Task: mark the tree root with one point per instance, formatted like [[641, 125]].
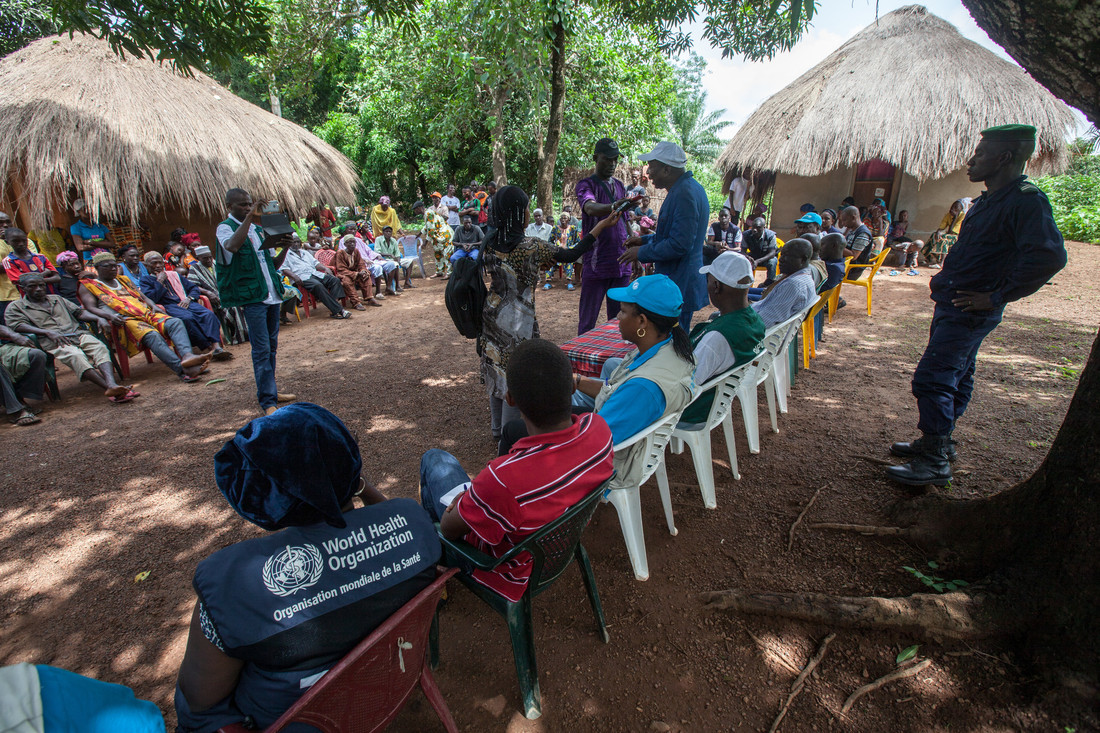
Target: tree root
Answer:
[[790, 534], [950, 615], [874, 459], [865, 529], [897, 674], [796, 686]]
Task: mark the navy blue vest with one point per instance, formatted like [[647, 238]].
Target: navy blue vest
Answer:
[[292, 603]]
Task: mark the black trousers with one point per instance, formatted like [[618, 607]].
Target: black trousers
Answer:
[[327, 290]]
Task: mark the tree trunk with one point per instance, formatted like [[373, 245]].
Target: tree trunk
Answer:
[[500, 172], [273, 95], [1033, 546], [1057, 41], [545, 186]]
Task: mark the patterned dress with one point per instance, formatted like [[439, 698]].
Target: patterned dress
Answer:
[[509, 315], [438, 233]]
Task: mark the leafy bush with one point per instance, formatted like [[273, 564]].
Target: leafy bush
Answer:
[[1075, 200]]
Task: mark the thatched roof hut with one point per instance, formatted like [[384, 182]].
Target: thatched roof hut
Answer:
[[140, 142], [904, 100]]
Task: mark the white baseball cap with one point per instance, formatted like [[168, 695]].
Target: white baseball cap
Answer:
[[667, 153], [731, 268]]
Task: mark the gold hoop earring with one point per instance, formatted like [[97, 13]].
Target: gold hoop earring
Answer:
[[641, 333]]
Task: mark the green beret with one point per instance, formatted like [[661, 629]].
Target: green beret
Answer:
[[1010, 133]]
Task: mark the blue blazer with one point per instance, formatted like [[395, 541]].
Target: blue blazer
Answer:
[[676, 248]]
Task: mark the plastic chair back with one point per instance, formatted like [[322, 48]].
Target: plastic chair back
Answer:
[[553, 546], [725, 392], [368, 687], [656, 437], [409, 246]]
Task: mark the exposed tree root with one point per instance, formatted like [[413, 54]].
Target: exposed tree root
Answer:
[[897, 674], [796, 686], [865, 529], [790, 534], [950, 615], [874, 459]]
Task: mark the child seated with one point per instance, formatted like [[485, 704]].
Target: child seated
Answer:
[[564, 458]]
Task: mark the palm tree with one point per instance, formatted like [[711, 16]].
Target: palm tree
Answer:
[[693, 129]]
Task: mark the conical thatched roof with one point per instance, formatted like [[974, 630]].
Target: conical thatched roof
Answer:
[[908, 89], [132, 135]]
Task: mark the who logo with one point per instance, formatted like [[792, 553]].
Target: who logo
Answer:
[[292, 569]]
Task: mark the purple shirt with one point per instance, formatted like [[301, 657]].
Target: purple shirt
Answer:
[[603, 259]]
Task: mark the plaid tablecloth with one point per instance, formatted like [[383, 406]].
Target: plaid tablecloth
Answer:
[[590, 350]]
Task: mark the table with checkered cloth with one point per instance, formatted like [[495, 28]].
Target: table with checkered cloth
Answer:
[[591, 349]]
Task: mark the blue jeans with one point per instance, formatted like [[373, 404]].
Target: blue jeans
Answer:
[[460, 253], [580, 399], [439, 473], [263, 333], [944, 377]]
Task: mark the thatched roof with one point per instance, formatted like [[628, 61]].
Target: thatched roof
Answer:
[[908, 89], [132, 136]]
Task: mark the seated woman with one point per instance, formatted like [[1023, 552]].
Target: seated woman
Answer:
[[946, 234], [180, 299], [652, 383], [274, 613], [71, 270]]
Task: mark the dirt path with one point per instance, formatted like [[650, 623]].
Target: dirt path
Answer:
[[98, 493]]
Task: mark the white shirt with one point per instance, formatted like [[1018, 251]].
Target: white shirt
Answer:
[[301, 264], [452, 203], [542, 232], [713, 356], [740, 188], [223, 233]]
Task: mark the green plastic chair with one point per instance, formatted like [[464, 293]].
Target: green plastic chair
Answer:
[[553, 548], [51, 372]]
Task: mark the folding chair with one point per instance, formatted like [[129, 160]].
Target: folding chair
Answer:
[[866, 282], [366, 690], [628, 502], [411, 247], [697, 437], [552, 550]]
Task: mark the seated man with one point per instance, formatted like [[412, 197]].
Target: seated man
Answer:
[[467, 239], [383, 271], [760, 244], [818, 267], [794, 290], [857, 241], [390, 248], [179, 297], [203, 274], [22, 260], [723, 236], [141, 324], [565, 458], [353, 273], [304, 270], [71, 269], [22, 376], [832, 254], [731, 339], [274, 613], [56, 323]]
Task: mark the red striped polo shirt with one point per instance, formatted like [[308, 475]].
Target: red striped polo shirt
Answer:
[[525, 490]]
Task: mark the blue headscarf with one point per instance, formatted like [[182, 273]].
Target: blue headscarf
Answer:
[[297, 466]]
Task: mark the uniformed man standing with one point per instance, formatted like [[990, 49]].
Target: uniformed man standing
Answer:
[[1008, 248]]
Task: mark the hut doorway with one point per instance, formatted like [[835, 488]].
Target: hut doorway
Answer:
[[874, 180]]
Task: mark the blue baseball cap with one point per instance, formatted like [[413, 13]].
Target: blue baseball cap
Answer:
[[656, 293], [809, 218]]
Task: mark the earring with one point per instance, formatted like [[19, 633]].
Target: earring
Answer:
[[362, 486], [641, 333]]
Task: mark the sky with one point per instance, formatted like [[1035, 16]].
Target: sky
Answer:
[[740, 86]]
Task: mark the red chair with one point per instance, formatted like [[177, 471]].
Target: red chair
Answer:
[[307, 299], [121, 354], [370, 686]]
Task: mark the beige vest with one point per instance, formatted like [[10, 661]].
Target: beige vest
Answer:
[[675, 378]]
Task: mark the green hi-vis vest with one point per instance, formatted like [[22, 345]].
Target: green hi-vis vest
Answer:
[[240, 281]]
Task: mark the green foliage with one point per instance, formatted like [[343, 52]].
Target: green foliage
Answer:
[[907, 653], [23, 21], [935, 582], [712, 183], [694, 130], [1075, 201]]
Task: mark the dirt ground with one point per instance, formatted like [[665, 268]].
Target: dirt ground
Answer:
[[98, 493]]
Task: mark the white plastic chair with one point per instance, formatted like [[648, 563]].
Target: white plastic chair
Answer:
[[761, 373], [410, 247], [781, 371], [697, 437], [628, 502]]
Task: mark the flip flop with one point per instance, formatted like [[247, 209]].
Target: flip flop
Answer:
[[116, 392], [188, 379], [894, 272], [25, 418], [912, 272], [128, 397]]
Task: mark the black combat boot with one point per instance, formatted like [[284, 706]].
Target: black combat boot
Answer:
[[914, 449], [929, 467]]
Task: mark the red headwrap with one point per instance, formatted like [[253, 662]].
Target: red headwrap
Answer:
[[190, 239]]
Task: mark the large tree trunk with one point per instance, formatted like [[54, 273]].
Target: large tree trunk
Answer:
[[1057, 41], [545, 187], [500, 169], [1032, 547]]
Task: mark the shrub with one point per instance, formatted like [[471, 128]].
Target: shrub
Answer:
[[1075, 200]]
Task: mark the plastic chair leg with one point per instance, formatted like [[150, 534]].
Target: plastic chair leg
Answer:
[[806, 341], [869, 298], [780, 379], [433, 641], [769, 389], [521, 632], [435, 699], [747, 397], [731, 445], [676, 445], [628, 505], [589, 578], [666, 497], [699, 442]]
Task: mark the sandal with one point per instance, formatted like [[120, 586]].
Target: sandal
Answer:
[[188, 379], [116, 391], [25, 418], [128, 397]]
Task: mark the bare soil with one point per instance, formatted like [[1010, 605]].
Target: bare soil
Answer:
[[98, 493]]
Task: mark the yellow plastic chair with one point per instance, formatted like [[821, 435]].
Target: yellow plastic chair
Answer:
[[834, 298], [778, 247], [809, 339], [864, 282]]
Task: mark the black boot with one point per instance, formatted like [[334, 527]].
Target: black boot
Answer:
[[913, 449], [929, 467]]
